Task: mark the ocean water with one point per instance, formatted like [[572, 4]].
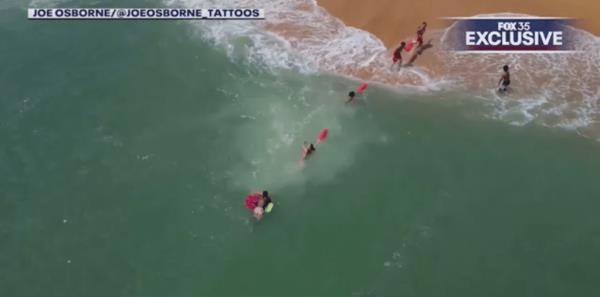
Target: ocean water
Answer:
[[127, 149]]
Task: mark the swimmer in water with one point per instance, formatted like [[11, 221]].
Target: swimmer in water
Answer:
[[504, 80], [261, 204], [351, 96], [259, 211], [267, 200], [397, 58], [308, 150]]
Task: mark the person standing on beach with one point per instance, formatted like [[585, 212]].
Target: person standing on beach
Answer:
[[420, 46], [420, 31], [397, 58], [504, 80], [418, 41]]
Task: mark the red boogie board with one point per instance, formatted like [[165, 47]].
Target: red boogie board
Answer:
[[362, 88]]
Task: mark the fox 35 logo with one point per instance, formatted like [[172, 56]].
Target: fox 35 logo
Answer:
[[512, 35]]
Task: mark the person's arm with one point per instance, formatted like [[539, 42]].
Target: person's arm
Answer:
[[350, 98]]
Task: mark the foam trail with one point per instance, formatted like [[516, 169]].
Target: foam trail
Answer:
[[275, 116]]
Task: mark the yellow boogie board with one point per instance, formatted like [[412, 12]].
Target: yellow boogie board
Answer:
[[269, 207]]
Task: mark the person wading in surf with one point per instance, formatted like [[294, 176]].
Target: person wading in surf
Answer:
[[504, 80], [351, 96]]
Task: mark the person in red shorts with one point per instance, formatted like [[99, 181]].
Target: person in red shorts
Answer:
[[397, 57], [419, 40], [420, 31]]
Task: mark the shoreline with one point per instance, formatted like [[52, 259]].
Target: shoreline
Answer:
[[393, 21], [540, 89]]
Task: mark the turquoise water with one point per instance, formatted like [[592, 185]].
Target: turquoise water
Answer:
[[127, 149]]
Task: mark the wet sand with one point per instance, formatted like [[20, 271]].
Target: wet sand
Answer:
[[393, 20], [554, 98]]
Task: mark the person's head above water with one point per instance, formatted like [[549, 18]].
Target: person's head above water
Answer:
[[505, 68], [265, 194], [351, 94], [309, 147]]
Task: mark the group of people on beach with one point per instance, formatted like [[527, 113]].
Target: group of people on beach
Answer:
[[416, 44]]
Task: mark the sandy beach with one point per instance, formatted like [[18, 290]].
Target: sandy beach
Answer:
[[567, 99], [393, 20]]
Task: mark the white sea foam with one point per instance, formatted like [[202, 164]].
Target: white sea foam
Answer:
[[302, 36], [557, 90], [560, 90]]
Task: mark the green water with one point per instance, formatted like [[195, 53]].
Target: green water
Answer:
[[127, 148]]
